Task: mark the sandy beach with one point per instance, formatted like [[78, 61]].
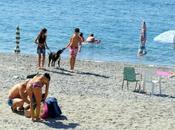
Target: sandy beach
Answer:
[[90, 99]]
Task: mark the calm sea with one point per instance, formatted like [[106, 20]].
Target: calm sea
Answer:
[[115, 22]]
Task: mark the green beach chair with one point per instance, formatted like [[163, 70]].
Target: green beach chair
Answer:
[[129, 75]]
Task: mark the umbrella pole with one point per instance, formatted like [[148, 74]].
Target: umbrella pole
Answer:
[[17, 49], [16, 64]]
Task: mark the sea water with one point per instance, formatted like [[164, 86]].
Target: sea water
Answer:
[[115, 22]]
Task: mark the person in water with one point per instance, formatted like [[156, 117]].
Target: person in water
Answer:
[[74, 45], [142, 49], [92, 39], [82, 39], [17, 96], [41, 42], [34, 90]]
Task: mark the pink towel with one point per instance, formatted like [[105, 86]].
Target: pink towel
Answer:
[[163, 73]]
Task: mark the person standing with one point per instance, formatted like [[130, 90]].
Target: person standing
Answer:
[[142, 49], [74, 45], [41, 42], [34, 90]]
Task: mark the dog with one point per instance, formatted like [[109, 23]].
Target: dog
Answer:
[[53, 57]]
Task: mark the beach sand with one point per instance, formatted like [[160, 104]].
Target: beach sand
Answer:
[[90, 99]]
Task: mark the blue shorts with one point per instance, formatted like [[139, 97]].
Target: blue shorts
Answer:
[[41, 50], [142, 50], [10, 102]]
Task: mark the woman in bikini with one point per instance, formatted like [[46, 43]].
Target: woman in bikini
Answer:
[[34, 90], [41, 42]]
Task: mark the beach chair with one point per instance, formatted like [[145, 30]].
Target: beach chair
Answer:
[[129, 75], [156, 79]]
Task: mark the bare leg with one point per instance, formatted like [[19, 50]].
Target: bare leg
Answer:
[[43, 60], [39, 60], [38, 96], [71, 63], [17, 103], [30, 93]]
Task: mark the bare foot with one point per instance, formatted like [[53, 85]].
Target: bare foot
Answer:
[[42, 68]]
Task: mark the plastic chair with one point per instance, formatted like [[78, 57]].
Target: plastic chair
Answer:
[[129, 75], [151, 77]]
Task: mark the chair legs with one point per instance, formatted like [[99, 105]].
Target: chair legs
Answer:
[[136, 86], [160, 88], [153, 86], [127, 85], [123, 84]]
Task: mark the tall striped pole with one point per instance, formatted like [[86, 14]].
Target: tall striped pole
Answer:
[[17, 49]]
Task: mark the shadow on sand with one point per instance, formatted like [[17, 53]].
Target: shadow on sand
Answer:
[[157, 95], [57, 72], [56, 123], [93, 74], [68, 73]]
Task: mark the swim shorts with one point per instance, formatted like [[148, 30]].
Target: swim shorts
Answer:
[[73, 51], [41, 50], [142, 50], [10, 102]]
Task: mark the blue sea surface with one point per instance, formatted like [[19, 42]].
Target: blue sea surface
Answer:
[[116, 22]]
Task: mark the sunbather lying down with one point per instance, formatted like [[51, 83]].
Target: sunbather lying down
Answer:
[[172, 75], [17, 96]]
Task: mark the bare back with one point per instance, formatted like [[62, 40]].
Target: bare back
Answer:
[[17, 89], [75, 40], [39, 79], [90, 39]]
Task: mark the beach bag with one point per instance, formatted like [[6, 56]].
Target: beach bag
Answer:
[[44, 113], [53, 108]]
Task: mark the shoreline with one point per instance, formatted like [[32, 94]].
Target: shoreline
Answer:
[[98, 61]]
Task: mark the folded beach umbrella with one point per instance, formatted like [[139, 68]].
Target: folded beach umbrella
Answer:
[[166, 37], [17, 49]]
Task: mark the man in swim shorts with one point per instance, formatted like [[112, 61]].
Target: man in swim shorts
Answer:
[[17, 96], [74, 46]]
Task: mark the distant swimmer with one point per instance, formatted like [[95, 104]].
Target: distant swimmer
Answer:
[[91, 39], [142, 50]]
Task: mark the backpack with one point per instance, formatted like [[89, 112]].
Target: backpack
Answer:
[[53, 108]]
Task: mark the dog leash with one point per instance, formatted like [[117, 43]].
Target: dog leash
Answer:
[[49, 49]]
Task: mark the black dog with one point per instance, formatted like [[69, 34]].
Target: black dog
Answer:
[[53, 57]]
